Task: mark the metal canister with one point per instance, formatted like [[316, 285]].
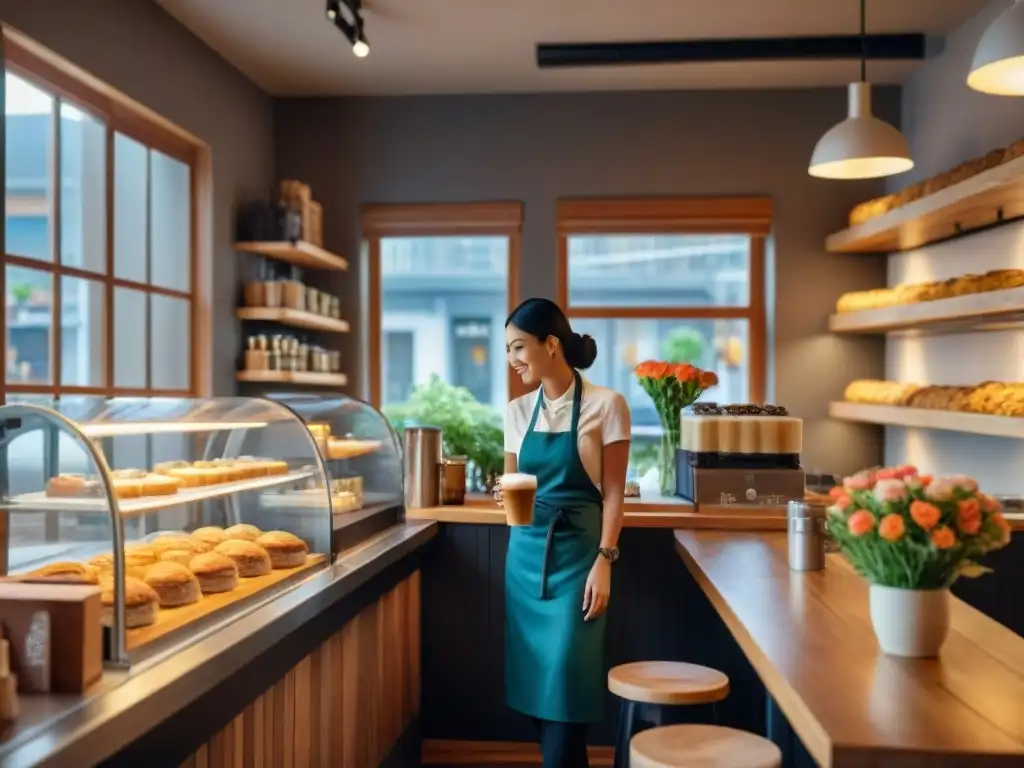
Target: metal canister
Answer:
[[807, 535], [422, 462], [453, 480]]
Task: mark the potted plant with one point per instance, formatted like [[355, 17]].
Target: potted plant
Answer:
[[672, 388], [912, 536]]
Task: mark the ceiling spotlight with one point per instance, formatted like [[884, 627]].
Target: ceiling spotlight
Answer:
[[337, 11]]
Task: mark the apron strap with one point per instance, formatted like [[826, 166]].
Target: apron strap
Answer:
[[558, 518]]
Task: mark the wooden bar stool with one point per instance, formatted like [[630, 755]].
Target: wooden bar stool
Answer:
[[650, 690], [702, 746]]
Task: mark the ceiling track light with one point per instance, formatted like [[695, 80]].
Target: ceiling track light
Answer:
[[998, 65], [353, 30], [861, 146]]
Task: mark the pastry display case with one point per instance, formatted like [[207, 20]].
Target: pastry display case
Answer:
[[363, 459], [159, 502]]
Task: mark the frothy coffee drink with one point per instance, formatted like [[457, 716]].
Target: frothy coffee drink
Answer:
[[518, 493]]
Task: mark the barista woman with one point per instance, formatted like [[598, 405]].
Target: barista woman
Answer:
[[574, 436]]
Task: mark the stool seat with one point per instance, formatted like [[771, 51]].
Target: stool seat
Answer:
[[667, 682], [702, 746]]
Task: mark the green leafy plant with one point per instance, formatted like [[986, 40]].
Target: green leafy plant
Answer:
[[468, 428], [901, 529], [21, 293], [683, 345]]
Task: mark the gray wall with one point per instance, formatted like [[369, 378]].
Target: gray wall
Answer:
[[141, 50], [538, 148]]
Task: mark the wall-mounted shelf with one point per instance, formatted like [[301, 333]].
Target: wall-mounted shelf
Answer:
[[989, 197], [301, 254], [294, 317], [925, 418], [989, 311], [293, 377]]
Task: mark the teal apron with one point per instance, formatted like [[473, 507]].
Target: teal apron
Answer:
[[554, 660]]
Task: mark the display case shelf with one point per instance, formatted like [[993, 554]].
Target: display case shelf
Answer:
[[300, 253], [926, 418], [40, 502], [990, 197], [294, 318], [294, 377], [991, 310]]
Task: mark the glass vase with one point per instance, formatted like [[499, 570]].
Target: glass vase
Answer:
[[667, 457]]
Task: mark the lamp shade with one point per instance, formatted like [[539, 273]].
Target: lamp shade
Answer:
[[862, 146], [998, 66]]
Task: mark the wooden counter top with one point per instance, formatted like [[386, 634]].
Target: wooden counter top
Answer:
[[809, 637], [653, 513]]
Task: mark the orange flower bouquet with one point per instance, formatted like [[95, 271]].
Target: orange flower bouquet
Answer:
[[672, 387], [912, 536]]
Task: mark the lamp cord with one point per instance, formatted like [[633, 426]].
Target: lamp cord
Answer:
[[863, 42]]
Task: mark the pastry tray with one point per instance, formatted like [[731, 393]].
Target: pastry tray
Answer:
[[171, 619], [310, 500], [40, 502]]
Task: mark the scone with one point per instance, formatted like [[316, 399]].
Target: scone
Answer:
[[174, 584], [243, 531], [251, 559], [65, 486], [179, 556], [140, 602], [160, 485], [125, 488], [190, 478], [179, 541], [211, 534], [286, 550], [276, 467], [73, 573], [165, 467], [216, 572]]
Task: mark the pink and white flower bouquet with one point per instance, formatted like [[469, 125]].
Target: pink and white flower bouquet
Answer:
[[899, 528]]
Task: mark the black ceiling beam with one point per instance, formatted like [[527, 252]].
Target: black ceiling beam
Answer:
[[910, 46]]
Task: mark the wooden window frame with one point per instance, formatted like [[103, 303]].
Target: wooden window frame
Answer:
[[751, 216], [426, 220], [118, 113]]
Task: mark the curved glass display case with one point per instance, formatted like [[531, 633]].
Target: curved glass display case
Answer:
[[161, 502], [363, 458]]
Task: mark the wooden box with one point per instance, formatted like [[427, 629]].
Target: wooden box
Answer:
[[770, 486], [312, 223], [55, 633]]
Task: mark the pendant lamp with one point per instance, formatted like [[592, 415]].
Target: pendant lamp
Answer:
[[862, 146], [998, 66]]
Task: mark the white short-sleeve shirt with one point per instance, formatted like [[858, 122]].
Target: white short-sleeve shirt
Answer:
[[604, 419]]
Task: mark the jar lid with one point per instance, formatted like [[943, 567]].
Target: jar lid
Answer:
[[455, 459]]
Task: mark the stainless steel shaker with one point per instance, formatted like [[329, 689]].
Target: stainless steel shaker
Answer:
[[807, 535], [422, 449]]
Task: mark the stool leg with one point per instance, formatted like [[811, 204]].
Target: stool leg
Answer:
[[627, 714]]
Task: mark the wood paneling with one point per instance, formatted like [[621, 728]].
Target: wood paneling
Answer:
[[443, 752], [342, 706], [703, 215]]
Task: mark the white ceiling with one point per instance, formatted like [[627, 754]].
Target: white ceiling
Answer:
[[486, 46]]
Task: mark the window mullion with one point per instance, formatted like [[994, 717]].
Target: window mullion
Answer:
[[56, 250], [110, 315], [147, 331]]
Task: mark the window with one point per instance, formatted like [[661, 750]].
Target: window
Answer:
[[99, 238], [442, 284], [679, 280]]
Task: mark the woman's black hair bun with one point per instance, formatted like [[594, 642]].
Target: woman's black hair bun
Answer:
[[581, 351]]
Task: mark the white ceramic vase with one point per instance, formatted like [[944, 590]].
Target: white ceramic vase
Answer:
[[910, 622]]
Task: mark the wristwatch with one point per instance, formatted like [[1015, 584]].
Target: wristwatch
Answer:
[[611, 554]]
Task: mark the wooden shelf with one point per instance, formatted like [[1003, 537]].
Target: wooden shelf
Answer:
[[171, 619], [925, 418], [300, 253], [293, 377], [295, 318], [990, 197], [991, 311]]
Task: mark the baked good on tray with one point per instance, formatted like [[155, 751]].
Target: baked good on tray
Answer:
[[73, 573], [286, 550], [74, 486], [243, 531], [211, 534], [179, 556], [994, 398], [215, 572], [160, 485], [250, 558], [179, 541], [140, 602], [174, 584]]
